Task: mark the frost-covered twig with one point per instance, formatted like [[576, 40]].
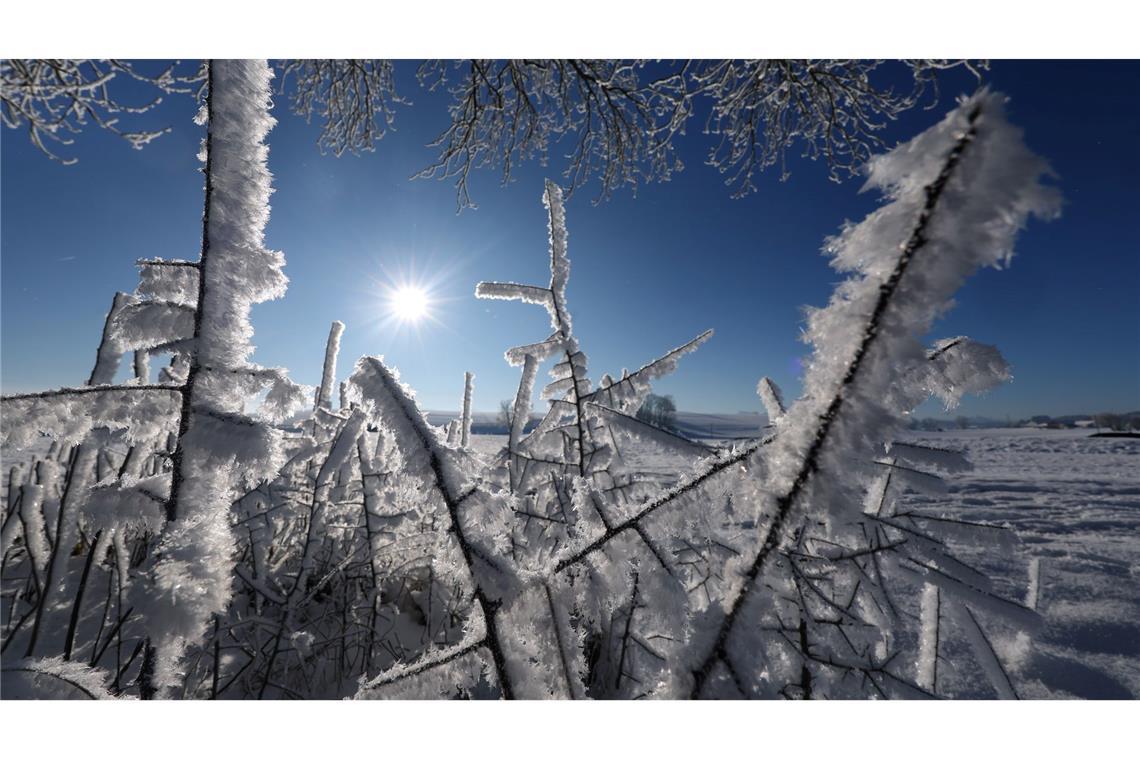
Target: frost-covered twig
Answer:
[[772, 398], [622, 117], [348, 95], [55, 98], [687, 486]]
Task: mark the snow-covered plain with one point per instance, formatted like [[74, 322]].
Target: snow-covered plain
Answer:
[[1074, 501]]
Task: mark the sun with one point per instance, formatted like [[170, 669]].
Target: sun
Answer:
[[409, 303]]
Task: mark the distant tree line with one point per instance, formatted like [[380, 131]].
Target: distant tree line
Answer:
[[1117, 422], [1103, 421]]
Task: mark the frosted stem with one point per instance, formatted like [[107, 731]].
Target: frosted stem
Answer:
[[931, 635], [328, 376], [465, 424], [108, 356]]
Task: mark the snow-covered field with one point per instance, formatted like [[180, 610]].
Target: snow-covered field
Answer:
[[1075, 503]]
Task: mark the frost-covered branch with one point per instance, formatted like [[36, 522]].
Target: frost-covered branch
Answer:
[[504, 112], [69, 414], [382, 391], [53, 678], [55, 98], [622, 117], [109, 354], [628, 394], [687, 486], [834, 108], [971, 173], [647, 432], [347, 95]]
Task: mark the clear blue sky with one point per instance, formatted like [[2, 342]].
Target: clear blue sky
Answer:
[[648, 272]]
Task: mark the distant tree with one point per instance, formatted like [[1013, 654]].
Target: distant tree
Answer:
[[668, 418], [963, 422], [506, 413], [506, 416], [660, 411], [1111, 421]]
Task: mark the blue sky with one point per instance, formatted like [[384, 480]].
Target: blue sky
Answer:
[[648, 272]]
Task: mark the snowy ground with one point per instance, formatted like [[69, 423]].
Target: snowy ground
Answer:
[[1075, 503]]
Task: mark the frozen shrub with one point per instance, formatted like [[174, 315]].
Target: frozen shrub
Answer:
[[368, 553]]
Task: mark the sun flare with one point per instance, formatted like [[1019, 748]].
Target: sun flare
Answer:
[[409, 303]]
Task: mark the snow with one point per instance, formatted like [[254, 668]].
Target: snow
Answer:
[[1074, 501]]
